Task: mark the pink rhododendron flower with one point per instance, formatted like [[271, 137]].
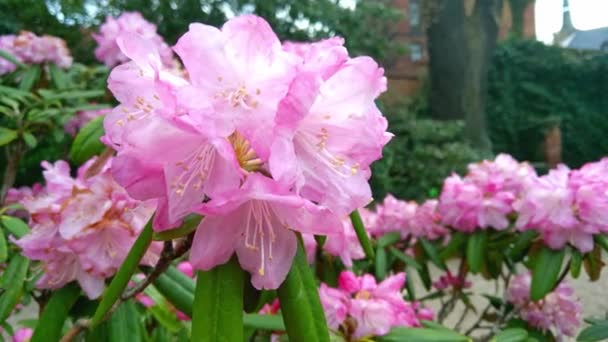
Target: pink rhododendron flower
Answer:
[[448, 280], [29, 48], [186, 268], [345, 244], [364, 308], [15, 196], [81, 228], [256, 222], [310, 246], [426, 222], [82, 118], [108, 51], [23, 335], [560, 311], [394, 215]]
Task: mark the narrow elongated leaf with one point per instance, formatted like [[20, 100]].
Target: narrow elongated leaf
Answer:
[[521, 244], [476, 248], [3, 247], [30, 139], [264, 322], [546, 267], [189, 225], [180, 297], [161, 310], [408, 260], [29, 77], [601, 240], [357, 222], [9, 57], [432, 253], [58, 76], [123, 275], [12, 283], [218, 304], [422, 335], [87, 144], [454, 247], [80, 94], [389, 239], [593, 263], [7, 135], [511, 335], [181, 279], [434, 325], [576, 261], [14, 226], [124, 324], [380, 263], [595, 332], [300, 305], [55, 313]]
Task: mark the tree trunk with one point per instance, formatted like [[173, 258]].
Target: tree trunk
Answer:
[[462, 38]]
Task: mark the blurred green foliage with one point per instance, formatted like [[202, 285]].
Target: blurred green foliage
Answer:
[[73, 20], [533, 86]]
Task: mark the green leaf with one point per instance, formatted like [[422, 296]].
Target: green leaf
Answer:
[[357, 222], [82, 94], [123, 275], [58, 76], [55, 313], [596, 332], [29, 77], [521, 244], [3, 247], [408, 260], [434, 325], [179, 296], [455, 245], [218, 304], [422, 335], [511, 335], [9, 57], [380, 266], [601, 240], [189, 225], [15, 226], [7, 135], [12, 282], [431, 252], [264, 322], [593, 263], [547, 264], [181, 279], [410, 286], [300, 305], [87, 144], [124, 325], [30, 139], [476, 248], [389, 239], [161, 311], [576, 260]]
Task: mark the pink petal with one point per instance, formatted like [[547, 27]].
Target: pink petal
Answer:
[[215, 241]]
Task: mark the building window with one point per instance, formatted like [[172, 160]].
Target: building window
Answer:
[[415, 52], [414, 14]]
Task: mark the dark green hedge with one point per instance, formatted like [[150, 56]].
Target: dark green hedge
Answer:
[[532, 86]]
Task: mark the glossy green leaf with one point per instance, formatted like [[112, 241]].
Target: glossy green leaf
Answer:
[[410, 285], [30, 139], [161, 311], [218, 304], [58, 76], [15, 226], [432, 254], [511, 335], [596, 332], [179, 296], [55, 313], [547, 264], [87, 144], [602, 241], [380, 265], [434, 325], [29, 77], [9, 57], [79, 94], [521, 244], [366, 244], [189, 225], [181, 279], [123, 275], [12, 283], [389, 239], [124, 324], [455, 246], [476, 248], [3, 247], [422, 335], [300, 305], [576, 261], [320, 239], [593, 264], [408, 260], [264, 322], [7, 135]]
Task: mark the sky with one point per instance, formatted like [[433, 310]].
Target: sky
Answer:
[[585, 14]]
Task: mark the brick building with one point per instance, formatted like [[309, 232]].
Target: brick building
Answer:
[[407, 72]]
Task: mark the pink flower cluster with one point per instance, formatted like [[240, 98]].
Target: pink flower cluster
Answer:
[[23, 335], [108, 51], [560, 311], [484, 197], [567, 206], [410, 219], [263, 139], [81, 228], [362, 307], [29, 48], [82, 118]]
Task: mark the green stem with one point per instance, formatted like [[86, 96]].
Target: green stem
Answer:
[[355, 218]]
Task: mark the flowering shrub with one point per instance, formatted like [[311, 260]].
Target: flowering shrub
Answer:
[[228, 199], [28, 48]]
